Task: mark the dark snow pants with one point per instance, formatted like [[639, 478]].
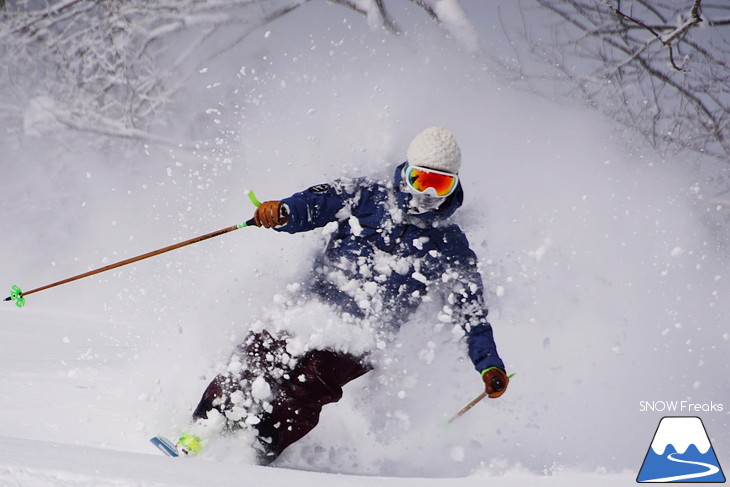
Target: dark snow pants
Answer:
[[299, 389]]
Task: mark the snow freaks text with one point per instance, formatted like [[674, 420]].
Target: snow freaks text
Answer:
[[680, 407]]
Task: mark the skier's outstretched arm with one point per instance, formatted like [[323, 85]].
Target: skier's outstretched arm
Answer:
[[303, 211]]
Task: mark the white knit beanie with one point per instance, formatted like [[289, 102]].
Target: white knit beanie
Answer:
[[435, 148]]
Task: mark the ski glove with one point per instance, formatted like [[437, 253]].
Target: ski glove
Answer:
[[495, 382], [270, 214]]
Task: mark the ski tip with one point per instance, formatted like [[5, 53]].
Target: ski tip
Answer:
[[165, 446]]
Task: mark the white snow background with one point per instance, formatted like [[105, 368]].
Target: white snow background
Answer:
[[606, 285]]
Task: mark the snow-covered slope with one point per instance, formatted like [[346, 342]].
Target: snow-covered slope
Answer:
[[40, 464]]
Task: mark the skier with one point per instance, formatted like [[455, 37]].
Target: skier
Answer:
[[391, 244]]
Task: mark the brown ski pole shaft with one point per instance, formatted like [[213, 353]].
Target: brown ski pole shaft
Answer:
[[17, 295], [497, 385], [468, 407]]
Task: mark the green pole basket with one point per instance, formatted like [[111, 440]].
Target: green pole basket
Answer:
[[16, 294]]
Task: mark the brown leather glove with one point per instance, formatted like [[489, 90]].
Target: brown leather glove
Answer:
[[270, 214], [495, 382]]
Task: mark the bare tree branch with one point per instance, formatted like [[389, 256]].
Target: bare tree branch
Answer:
[[693, 20], [645, 63]]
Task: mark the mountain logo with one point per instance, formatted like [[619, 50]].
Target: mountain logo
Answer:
[[681, 452]]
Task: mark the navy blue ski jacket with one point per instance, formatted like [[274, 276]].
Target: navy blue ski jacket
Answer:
[[380, 261]]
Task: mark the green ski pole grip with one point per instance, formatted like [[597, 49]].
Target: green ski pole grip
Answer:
[[256, 203], [253, 198]]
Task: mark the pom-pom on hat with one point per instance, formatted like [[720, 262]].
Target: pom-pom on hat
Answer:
[[435, 148]]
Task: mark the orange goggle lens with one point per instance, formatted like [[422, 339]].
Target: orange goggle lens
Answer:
[[422, 179]]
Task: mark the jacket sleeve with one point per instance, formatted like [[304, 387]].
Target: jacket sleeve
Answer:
[[466, 302], [314, 207]]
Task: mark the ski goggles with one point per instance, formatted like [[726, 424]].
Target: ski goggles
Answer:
[[421, 179]]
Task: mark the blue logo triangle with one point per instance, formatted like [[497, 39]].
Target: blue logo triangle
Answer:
[[681, 452]]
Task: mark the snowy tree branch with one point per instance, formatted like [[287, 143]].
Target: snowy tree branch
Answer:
[[672, 87], [692, 20], [126, 62]]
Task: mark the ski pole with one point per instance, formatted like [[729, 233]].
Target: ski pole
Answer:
[[497, 385], [467, 407], [18, 295]]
